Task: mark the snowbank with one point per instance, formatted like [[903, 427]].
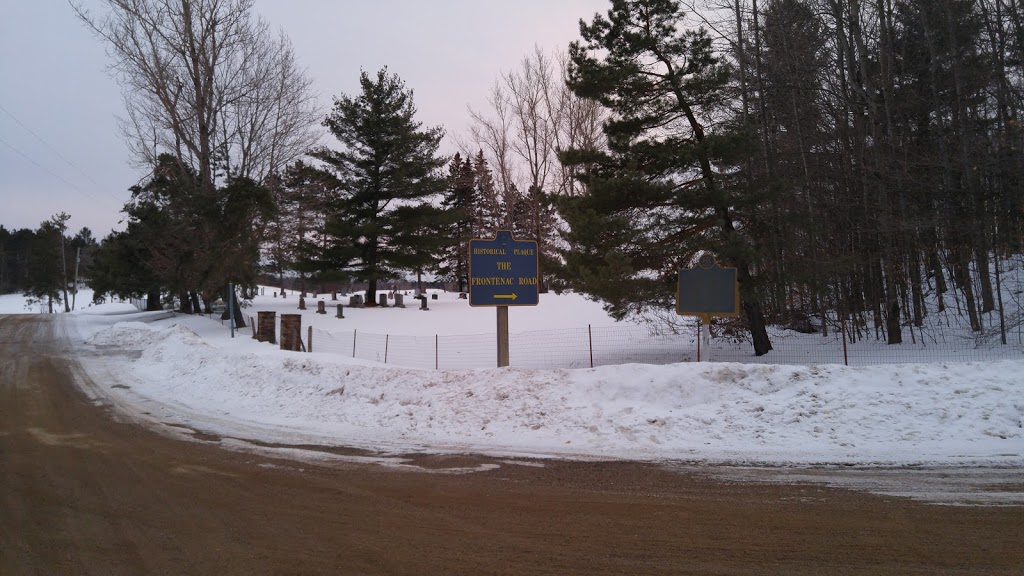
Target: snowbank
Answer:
[[947, 413]]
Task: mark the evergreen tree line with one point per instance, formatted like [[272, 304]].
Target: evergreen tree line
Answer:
[[183, 241], [846, 156], [889, 141], [374, 208], [315, 236], [41, 263], [378, 206]]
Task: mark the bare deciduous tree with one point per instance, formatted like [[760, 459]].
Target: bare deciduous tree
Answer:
[[580, 126], [206, 81], [493, 133], [532, 117]]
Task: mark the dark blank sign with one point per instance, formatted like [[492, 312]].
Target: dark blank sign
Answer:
[[707, 291]]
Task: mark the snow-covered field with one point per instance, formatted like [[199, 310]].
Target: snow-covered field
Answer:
[[190, 372]]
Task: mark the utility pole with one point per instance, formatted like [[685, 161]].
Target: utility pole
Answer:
[[3, 268], [74, 291], [64, 268], [59, 223]]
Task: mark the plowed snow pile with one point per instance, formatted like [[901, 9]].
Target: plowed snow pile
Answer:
[[889, 414]]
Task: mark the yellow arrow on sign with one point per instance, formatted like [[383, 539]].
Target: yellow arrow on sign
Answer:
[[506, 296]]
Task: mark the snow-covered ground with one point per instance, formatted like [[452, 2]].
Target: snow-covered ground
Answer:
[[570, 331], [188, 371]]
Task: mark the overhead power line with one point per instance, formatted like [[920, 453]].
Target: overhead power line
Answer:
[[54, 174], [57, 152]]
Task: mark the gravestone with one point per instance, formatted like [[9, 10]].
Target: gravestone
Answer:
[[334, 296], [399, 301], [302, 303], [355, 301], [382, 301], [321, 307], [341, 314], [291, 332], [265, 327], [423, 303]]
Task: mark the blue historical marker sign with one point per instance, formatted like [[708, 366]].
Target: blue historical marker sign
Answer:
[[707, 290], [503, 271]]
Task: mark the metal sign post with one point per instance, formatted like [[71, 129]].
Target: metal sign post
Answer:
[[503, 273], [231, 307], [502, 336], [707, 290], [705, 335]]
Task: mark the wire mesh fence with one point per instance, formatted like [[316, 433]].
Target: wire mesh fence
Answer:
[[626, 344]]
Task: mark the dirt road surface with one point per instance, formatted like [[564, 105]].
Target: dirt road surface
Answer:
[[84, 493]]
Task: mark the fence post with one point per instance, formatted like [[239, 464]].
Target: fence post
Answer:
[[698, 339], [386, 338], [436, 363], [310, 339], [846, 358], [590, 338], [706, 320], [353, 342]]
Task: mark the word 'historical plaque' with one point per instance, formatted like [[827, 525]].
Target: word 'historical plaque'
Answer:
[[503, 271]]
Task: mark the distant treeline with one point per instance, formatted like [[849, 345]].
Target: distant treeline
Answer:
[[41, 263]]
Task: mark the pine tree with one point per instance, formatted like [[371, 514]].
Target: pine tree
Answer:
[[120, 266], [305, 198], [459, 200], [5, 254], [487, 209], [663, 190], [388, 176], [44, 270], [790, 70], [60, 223], [535, 218], [169, 213], [14, 251], [193, 244]]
